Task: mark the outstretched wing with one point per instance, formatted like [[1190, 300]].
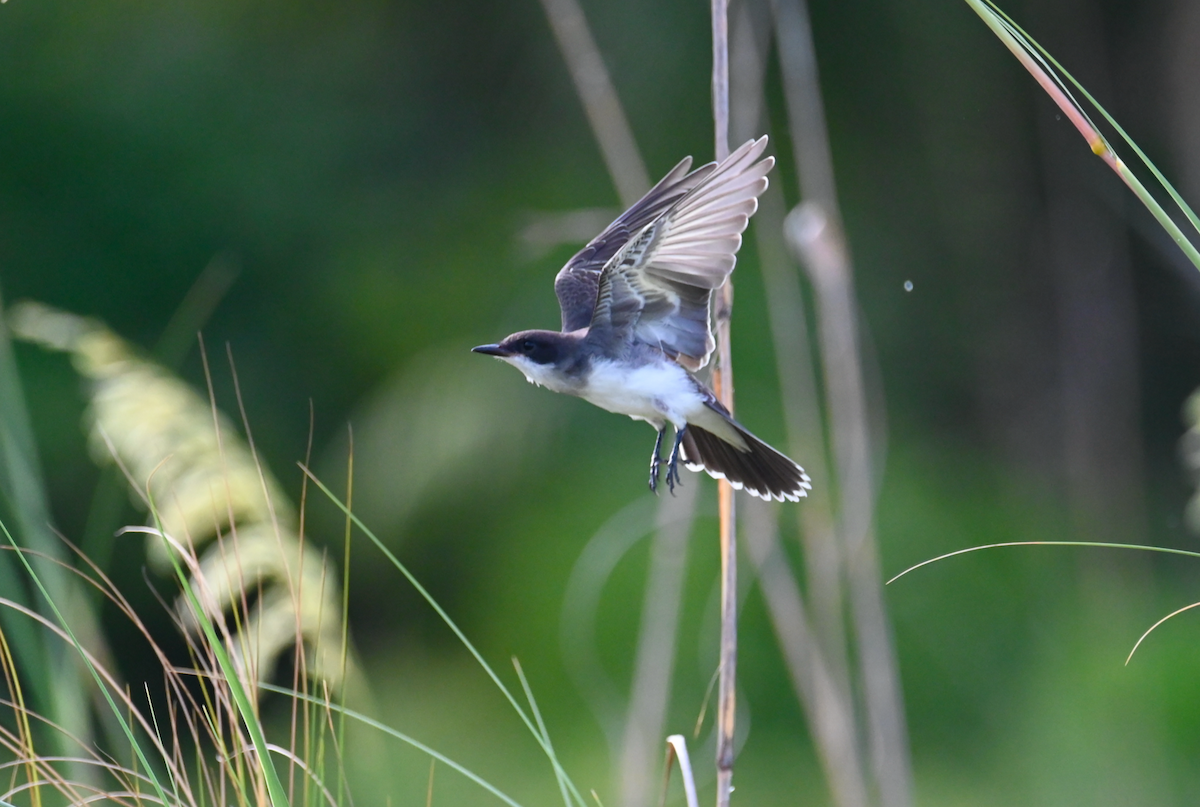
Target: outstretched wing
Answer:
[[577, 282], [656, 288]]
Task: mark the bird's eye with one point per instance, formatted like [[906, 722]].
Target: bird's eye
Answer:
[[528, 346]]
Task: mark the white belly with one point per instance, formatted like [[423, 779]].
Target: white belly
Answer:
[[656, 393]]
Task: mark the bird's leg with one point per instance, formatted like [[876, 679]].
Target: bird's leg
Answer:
[[656, 461], [673, 465]]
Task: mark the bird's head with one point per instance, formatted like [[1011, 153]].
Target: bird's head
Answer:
[[540, 355]]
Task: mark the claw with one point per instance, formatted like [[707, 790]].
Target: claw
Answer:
[[656, 463], [673, 464]]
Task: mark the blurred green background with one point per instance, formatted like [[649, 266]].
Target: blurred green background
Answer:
[[368, 170]]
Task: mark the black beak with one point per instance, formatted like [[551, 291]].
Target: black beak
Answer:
[[491, 350]]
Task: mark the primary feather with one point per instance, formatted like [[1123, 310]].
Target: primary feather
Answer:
[[577, 282], [655, 289]]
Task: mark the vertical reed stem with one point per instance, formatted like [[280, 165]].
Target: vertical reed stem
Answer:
[[723, 386]]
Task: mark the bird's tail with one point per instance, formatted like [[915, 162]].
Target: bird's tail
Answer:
[[758, 469]]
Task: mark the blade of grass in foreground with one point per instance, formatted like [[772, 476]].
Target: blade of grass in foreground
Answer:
[[450, 623], [1183, 205], [1151, 629], [1101, 545], [391, 732], [1037, 60], [237, 691], [677, 748], [55, 686], [37, 581], [541, 724]]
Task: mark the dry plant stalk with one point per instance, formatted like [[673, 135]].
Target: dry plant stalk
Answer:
[[824, 566], [723, 387], [654, 662], [813, 648], [820, 687], [814, 231], [677, 749], [600, 101], [817, 658]]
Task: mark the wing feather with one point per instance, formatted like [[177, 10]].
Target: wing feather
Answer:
[[656, 288], [577, 283]]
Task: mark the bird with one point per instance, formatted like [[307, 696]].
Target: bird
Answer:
[[636, 323]]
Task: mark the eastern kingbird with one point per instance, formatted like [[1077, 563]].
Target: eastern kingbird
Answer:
[[635, 323]]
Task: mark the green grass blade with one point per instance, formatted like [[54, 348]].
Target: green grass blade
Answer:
[[391, 732], [1099, 544], [20, 484], [1170, 189], [57, 686], [1028, 51], [37, 581], [450, 623], [1152, 628], [541, 724], [241, 698]]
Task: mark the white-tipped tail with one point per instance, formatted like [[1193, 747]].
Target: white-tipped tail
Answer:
[[759, 470]]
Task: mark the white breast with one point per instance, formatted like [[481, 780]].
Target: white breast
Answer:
[[657, 393]]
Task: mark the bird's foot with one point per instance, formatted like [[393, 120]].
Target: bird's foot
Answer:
[[656, 463], [673, 464], [673, 476]]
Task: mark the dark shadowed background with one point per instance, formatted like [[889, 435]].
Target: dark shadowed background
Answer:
[[368, 174]]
